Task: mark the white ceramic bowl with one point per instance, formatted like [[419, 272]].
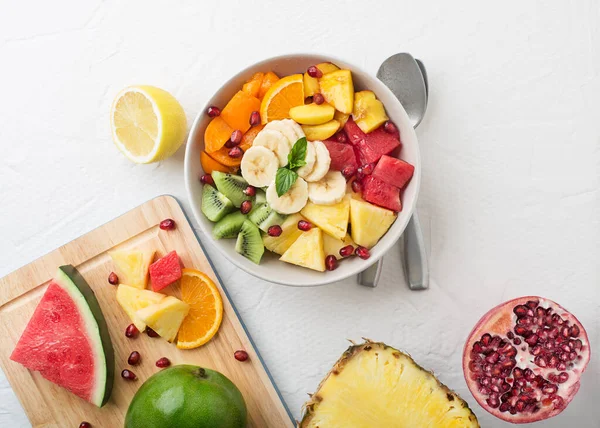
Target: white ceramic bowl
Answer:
[[270, 268]]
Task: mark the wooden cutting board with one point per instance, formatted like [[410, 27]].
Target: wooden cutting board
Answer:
[[48, 405]]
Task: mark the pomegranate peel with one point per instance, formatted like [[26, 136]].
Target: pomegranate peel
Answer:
[[523, 360]]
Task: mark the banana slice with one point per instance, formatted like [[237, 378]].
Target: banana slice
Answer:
[[311, 158], [274, 141], [329, 190], [259, 166], [291, 201], [322, 163], [296, 127], [285, 128]]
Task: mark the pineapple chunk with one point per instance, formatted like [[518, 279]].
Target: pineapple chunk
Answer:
[[327, 67], [338, 90], [311, 84], [165, 317], [132, 266], [374, 385], [312, 114], [289, 234], [341, 117], [369, 222], [333, 246], [307, 251], [133, 299], [321, 132], [368, 112], [332, 219]]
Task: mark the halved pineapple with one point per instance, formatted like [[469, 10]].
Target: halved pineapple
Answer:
[[368, 112], [369, 222], [165, 317], [374, 385], [332, 246], [289, 234], [133, 299], [307, 251], [338, 90], [332, 219], [132, 266]]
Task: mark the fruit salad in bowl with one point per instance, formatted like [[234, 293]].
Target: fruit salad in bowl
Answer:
[[302, 169]]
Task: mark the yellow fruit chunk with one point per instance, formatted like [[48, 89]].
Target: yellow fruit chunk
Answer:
[[307, 251], [311, 85], [369, 222], [321, 132], [148, 124], [206, 309], [327, 67], [341, 117], [332, 219], [165, 317], [312, 114], [133, 299], [289, 234], [132, 266], [368, 112], [332, 246], [338, 90], [281, 97]]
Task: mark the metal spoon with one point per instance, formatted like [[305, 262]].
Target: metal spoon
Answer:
[[407, 79]]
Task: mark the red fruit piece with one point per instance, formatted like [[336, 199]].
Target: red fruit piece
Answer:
[[342, 155], [523, 360], [113, 278], [331, 262], [167, 224], [163, 362], [165, 271], [240, 355], [393, 171], [370, 147], [379, 193], [131, 331]]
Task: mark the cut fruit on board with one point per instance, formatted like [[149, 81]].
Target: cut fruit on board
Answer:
[[132, 266], [133, 299], [165, 271], [375, 385], [165, 317], [67, 339]]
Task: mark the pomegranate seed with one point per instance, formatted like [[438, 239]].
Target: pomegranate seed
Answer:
[[254, 118], [250, 191], [131, 331], [236, 137], [168, 224], [574, 332], [304, 225], [113, 278], [151, 333], [85, 425], [346, 251], [520, 310], [246, 207], [368, 169], [348, 171], [313, 71], [230, 144], [235, 153], [207, 179], [331, 262], [359, 173], [318, 99], [240, 355], [356, 186], [275, 230], [563, 377], [213, 111], [128, 374], [389, 127], [341, 137], [134, 358], [163, 362], [362, 252]]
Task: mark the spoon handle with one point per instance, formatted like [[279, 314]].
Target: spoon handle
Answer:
[[414, 258]]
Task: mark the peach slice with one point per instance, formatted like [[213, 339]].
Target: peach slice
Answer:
[[216, 135], [252, 86], [321, 132], [311, 84], [341, 117], [209, 164], [238, 110], [267, 82], [368, 113], [312, 114], [338, 90]]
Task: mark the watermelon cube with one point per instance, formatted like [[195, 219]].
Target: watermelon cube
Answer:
[[342, 155], [381, 193], [165, 271], [370, 147], [393, 171]]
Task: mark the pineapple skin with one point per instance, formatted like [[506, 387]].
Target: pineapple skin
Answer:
[[311, 406]]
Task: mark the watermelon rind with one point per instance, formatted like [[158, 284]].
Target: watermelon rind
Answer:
[[73, 283]]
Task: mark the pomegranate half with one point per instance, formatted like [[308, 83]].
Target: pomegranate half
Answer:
[[523, 360]]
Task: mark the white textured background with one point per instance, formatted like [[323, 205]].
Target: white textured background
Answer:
[[510, 148]]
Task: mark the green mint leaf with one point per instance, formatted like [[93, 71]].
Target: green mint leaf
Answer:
[[297, 156], [284, 180]]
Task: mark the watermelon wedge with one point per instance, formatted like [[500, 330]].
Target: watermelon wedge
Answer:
[[370, 147], [165, 271], [67, 339], [380, 193], [341, 154], [393, 171]]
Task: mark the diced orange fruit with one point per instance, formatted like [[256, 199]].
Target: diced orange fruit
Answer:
[[238, 110], [216, 135], [222, 156], [249, 137], [252, 86], [206, 309], [281, 97], [209, 164], [266, 84]]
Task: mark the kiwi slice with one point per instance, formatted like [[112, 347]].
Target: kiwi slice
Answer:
[[229, 226], [264, 217], [215, 205], [260, 197], [249, 242], [232, 186]]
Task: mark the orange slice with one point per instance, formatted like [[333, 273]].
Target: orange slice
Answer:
[[281, 97], [206, 309]]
